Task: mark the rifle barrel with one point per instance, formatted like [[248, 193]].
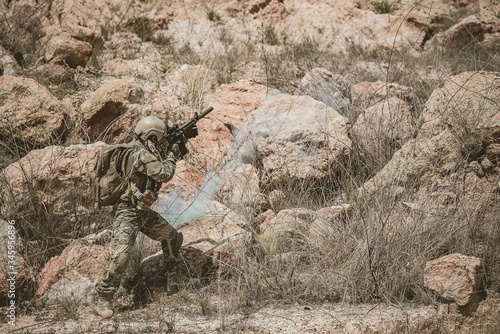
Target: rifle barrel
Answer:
[[206, 112]]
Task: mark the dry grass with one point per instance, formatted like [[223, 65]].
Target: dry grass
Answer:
[[375, 253]]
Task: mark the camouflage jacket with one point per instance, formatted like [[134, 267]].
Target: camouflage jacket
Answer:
[[147, 170]]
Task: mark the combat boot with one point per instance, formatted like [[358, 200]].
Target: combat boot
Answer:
[[173, 277], [104, 307]]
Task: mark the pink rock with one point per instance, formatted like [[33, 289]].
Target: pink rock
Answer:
[[186, 181], [233, 102], [58, 177], [107, 103], [87, 259], [264, 219], [268, 10], [455, 277], [29, 112], [333, 212], [68, 50], [117, 67], [208, 150]]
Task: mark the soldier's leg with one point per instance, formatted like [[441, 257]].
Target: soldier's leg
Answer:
[[157, 228], [125, 229]]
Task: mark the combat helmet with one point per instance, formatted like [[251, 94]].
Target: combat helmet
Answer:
[[150, 126]]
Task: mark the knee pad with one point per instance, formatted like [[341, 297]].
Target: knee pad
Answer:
[[172, 246], [177, 244]]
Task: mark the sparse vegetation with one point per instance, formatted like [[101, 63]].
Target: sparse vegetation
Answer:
[[142, 27], [373, 252], [385, 6], [213, 15]]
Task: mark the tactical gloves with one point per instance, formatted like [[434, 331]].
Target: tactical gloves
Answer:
[[179, 149], [192, 133]]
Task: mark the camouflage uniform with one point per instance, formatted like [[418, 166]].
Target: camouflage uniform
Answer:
[[146, 170]]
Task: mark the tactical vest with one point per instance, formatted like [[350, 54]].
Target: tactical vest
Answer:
[[106, 182]]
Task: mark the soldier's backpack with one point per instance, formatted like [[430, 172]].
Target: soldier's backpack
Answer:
[[106, 182]]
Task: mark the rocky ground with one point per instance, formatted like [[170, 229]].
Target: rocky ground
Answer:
[[348, 179], [276, 318]]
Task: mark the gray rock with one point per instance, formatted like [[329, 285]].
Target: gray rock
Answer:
[[297, 138], [327, 87], [72, 288]]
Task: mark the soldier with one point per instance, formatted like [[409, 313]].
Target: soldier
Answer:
[[146, 167]]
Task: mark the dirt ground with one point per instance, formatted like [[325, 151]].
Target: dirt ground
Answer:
[[200, 316]]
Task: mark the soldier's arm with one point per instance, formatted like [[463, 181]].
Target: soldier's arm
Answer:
[[159, 170]]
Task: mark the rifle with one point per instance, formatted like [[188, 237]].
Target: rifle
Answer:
[[179, 134]]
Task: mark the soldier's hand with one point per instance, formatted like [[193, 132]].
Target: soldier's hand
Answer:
[[179, 149], [192, 133], [176, 150]]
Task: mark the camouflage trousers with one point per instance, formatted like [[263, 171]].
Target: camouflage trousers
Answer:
[[127, 223]]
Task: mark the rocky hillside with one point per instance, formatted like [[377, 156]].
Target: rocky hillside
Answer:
[[351, 144]]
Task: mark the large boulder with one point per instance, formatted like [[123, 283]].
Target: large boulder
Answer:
[[463, 103], [454, 277], [68, 50], [209, 149], [71, 276], [85, 20], [233, 102], [296, 138], [30, 114], [185, 184], [112, 100], [427, 15], [327, 87], [216, 225], [383, 128], [417, 161], [434, 174], [469, 30], [241, 188], [50, 188]]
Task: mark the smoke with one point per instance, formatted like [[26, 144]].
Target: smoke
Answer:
[[178, 210]]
